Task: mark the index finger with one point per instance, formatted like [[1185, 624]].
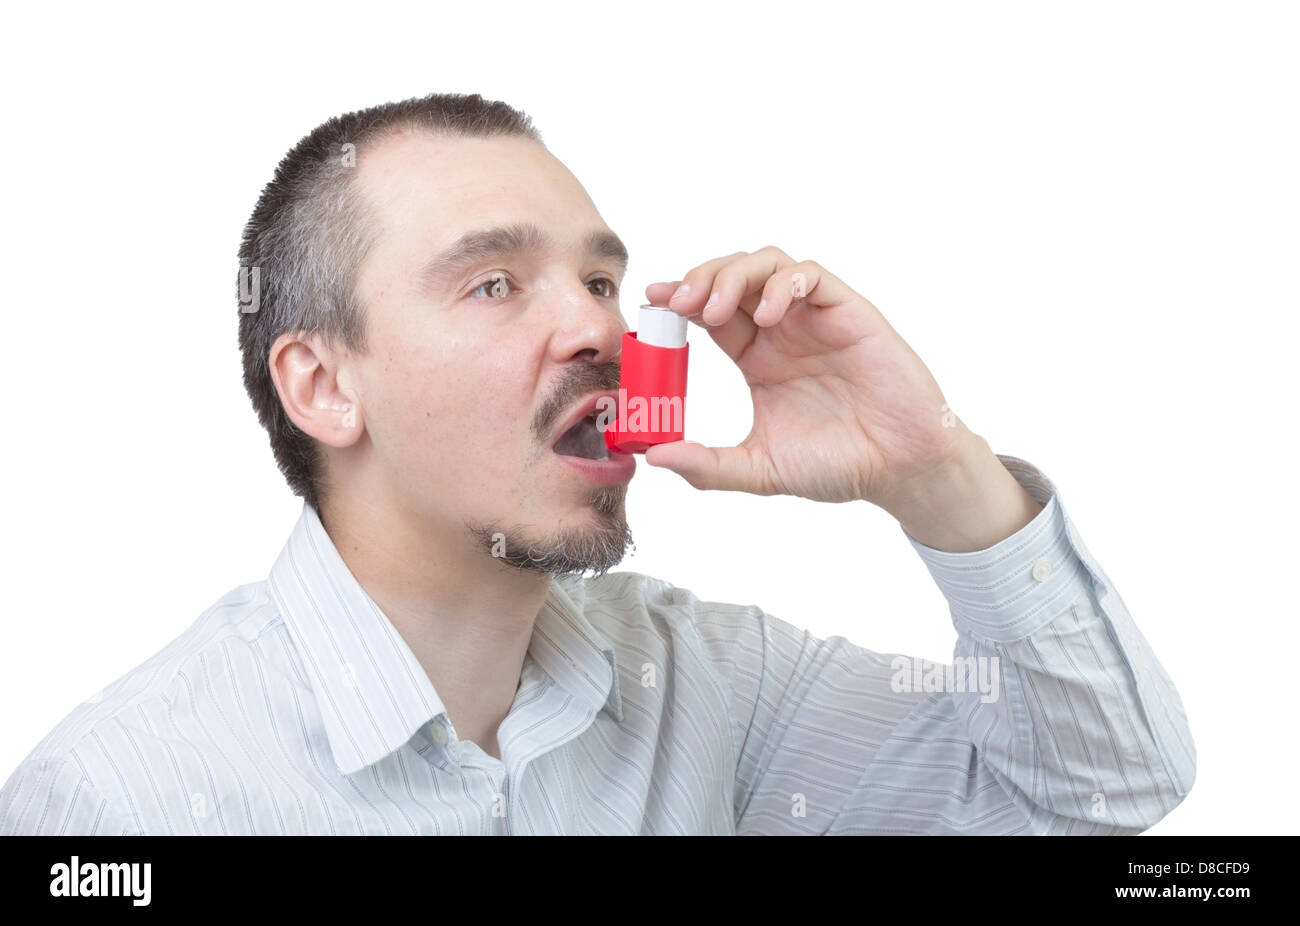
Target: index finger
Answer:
[[719, 287], [733, 337]]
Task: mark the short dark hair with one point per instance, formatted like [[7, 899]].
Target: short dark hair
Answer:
[[307, 237]]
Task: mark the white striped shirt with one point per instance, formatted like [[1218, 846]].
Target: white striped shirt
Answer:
[[292, 706]]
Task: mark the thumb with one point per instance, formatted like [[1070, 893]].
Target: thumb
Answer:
[[704, 467]]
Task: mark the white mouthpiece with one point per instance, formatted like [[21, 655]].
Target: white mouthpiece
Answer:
[[661, 327]]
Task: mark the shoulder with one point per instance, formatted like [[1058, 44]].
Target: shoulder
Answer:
[[111, 717]]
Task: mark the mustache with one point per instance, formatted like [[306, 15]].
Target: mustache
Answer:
[[578, 380]]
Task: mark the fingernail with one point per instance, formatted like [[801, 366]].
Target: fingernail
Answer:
[[681, 291], [758, 309]]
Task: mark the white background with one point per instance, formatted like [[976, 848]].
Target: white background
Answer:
[[1083, 217]]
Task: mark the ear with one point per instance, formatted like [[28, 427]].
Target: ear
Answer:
[[316, 395]]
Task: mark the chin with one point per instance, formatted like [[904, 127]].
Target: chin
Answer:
[[593, 536]]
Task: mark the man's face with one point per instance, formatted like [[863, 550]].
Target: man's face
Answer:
[[475, 366]]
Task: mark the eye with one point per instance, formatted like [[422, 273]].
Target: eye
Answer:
[[498, 283], [611, 286]]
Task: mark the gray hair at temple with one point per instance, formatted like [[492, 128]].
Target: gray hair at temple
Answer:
[[308, 235]]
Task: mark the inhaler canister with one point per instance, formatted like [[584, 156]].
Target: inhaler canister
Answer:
[[652, 383]]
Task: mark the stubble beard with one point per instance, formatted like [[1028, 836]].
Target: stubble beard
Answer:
[[596, 547]]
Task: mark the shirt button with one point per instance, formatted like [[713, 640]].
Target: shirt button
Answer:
[[1042, 569], [1074, 534], [439, 733]]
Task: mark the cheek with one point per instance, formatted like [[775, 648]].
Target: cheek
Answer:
[[459, 411], [411, 397]]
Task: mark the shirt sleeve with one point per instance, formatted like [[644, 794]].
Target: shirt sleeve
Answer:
[[1054, 717], [53, 797]]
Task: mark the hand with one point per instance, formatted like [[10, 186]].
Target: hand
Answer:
[[843, 408]]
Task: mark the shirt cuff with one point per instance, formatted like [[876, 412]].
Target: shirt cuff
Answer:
[[1023, 582]]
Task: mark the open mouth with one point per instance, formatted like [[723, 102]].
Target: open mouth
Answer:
[[584, 440]]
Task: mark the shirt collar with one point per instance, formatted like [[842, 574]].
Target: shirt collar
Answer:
[[372, 692]]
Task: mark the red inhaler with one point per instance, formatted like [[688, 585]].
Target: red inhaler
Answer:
[[652, 383]]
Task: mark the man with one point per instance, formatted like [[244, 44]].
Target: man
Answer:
[[429, 313]]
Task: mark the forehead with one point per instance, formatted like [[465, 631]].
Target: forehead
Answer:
[[425, 189]]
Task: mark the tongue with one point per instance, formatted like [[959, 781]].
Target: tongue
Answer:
[[583, 440]]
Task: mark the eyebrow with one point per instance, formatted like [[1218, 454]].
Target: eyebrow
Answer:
[[479, 245]]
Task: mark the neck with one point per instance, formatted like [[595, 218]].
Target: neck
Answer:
[[467, 616]]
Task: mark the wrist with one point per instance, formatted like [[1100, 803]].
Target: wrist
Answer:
[[968, 503]]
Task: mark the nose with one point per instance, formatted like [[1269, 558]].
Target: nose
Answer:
[[589, 329]]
